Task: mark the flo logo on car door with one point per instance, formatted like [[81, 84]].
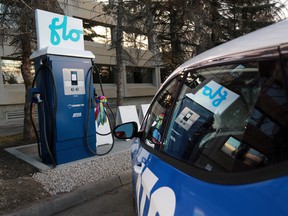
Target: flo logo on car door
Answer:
[[151, 200]]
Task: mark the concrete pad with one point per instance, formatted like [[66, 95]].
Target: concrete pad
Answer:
[[29, 154]]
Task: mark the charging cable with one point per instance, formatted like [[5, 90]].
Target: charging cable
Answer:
[[36, 98], [90, 105]]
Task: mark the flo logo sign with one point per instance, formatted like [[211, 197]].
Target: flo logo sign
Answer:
[[55, 38], [54, 30]]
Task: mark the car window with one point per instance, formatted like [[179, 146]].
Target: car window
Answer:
[[159, 113], [230, 118]]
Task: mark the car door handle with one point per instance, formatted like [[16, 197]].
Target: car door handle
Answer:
[[138, 167]]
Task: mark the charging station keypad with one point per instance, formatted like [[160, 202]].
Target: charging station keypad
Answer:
[[73, 81]]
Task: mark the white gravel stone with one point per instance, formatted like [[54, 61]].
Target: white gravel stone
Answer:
[[67, 178]]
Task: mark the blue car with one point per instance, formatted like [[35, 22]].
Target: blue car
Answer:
[[214, 140]]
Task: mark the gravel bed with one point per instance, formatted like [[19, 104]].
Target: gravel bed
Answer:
[[67, 178]]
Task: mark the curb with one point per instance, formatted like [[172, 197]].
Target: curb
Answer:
[[58, 203]]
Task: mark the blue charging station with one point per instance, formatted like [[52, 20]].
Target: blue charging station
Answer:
[[64, 93], [67, 93]]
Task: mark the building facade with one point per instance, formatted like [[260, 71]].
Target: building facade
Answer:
[[142, 76]]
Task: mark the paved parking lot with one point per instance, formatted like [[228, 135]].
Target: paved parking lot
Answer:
[[117, 202]]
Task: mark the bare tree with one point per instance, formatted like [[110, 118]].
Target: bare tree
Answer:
[[119, 56], [17, 27]]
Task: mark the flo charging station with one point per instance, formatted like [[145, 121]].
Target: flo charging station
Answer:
[[63, 90]]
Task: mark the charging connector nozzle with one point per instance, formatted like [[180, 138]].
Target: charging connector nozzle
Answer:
[[38, 98]]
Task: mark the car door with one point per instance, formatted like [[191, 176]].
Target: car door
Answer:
[[145, 178], [212, 145]]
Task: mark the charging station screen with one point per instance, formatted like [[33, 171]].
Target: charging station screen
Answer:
[[73, 81], [74, 78]]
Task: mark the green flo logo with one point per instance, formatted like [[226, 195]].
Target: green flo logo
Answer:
[[56, 27]]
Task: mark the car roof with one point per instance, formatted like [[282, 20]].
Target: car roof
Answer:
[[270, 36]]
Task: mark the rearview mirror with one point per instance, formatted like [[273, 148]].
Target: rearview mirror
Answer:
[[126, 131]]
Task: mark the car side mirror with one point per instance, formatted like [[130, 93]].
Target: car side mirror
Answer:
[[126, 131]]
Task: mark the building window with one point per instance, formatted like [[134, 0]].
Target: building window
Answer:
[[164, 74], [107, 73], [96, 33], [139, 75], [134, 40], [11, 71]]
